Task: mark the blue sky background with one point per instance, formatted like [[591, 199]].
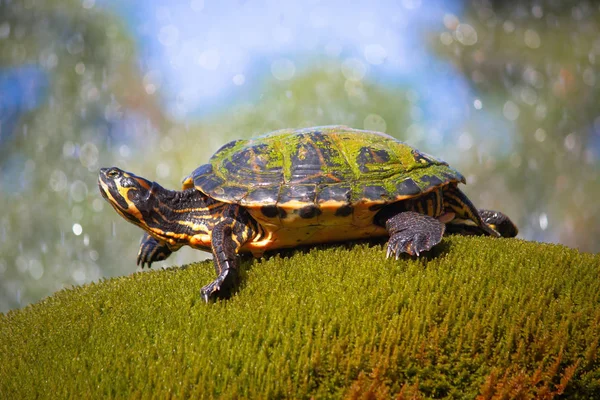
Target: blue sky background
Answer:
[[204, 55]]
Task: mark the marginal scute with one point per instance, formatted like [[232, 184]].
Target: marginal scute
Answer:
[[408, 187], [297, 192], [208, 183], [374, 193], [336, 192], [263, 195], [235, 193]]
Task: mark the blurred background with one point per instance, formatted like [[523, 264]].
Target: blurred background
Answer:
[[506, 92]]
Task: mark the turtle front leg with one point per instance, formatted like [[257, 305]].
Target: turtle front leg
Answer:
[[413, 233], [152, 250], [227, 237]]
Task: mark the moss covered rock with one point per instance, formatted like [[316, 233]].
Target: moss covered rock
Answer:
[[477, 316]]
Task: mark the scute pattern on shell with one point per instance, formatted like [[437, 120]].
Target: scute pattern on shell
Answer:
[[315, 165]]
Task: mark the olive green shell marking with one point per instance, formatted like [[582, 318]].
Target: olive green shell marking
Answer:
[[306, 168]]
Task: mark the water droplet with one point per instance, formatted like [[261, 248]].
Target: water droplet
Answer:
[[283, 69], [68, 149], [58, 180], [79, 274], [163, 170], [78, 191], [570, 141], [532, 39], [168, 35], [374, 122], [589, 76], [150, 88], [353, 69], [333, 49], [465, 142], [446, 38], [466, 34], [79, 68], [543, 221], [239, 79], [508, 26], [375, 54], [477, 104], [88, 155], [451, 21], [75, 44], [77, 229], [528, 95], [36, 269], [124, 151], [209, 59], [22, 264], [511, 111], [98, 205], [4, 30], [540, 135], [166, 144]]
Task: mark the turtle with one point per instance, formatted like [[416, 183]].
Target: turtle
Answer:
[[296, 187]]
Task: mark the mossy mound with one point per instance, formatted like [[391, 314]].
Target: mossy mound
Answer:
[[478, 316]]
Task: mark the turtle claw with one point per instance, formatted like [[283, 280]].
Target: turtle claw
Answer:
[[220, 286], [151, 250], [413, 233], [413, 246]]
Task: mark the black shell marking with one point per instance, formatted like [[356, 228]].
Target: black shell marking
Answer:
[[344, 211], [310, 211]]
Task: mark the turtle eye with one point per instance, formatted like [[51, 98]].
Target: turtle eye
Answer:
[[113, 173]]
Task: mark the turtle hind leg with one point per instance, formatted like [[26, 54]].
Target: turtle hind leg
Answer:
[[413, 233], [468, 219], [499, 222], [152, 250]]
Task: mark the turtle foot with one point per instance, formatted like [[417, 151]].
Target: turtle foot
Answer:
[[499, 222], [152, 250], [220, 287], [413, 233]]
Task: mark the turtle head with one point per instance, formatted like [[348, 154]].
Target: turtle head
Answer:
[[130, 195]]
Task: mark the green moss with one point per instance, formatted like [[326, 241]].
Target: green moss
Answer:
[[477, 316]]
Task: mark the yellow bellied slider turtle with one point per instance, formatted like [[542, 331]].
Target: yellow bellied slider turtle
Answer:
[[297, 187]]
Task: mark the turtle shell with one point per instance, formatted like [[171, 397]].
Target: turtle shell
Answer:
[[312, 170]]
